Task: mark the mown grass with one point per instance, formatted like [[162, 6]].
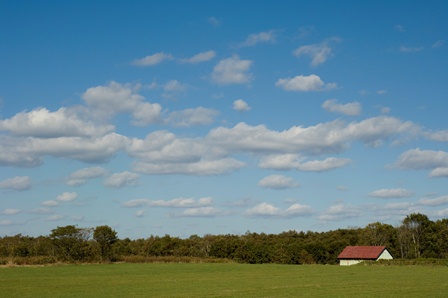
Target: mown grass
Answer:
[[223, 280]]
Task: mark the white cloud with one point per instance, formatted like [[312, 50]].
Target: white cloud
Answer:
[[386, 193], [56, 217], [81, 177], [116, 98], [256, 38], [439, 172], [439, 201], [319, 53], [139, 213], [50, 203], [152, 59], [201, 212], [269, 211], [201, 57], [174, 203], [199, 168], [304, 83], [45, 124], [294, 161], [241, 105], [339, 212], [5, 222], [417, 159], [278, 182], [67, 197], [10, 211], [351, 109], [232, 70], [122, 179], [192, 117], [16, 183]]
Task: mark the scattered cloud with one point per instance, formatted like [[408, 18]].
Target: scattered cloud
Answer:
[[304, 83], [81, 177], [294, 161], [278, 182], [351, 109], [45, 124], [115, 98], [241, 106], [262, 37], [339, 212], [399, 28], [417, 159], [17, 183], [391, 193], [10, 211], [439, 201], [152, 59], [192, 117], [267, 210], [319, 53], [201, 212], [122, 179], [200, 57], [67, 197], [174, 203], [232, 70]]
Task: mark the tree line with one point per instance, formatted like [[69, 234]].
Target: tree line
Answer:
[[416, 237]]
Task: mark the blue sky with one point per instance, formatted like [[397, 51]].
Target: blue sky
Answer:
[[221, 117]]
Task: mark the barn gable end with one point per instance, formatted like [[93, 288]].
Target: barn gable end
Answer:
[[355, 254]]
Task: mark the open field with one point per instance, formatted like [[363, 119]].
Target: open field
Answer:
[[223, 280]]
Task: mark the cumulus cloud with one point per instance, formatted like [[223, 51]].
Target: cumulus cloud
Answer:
[[10, 211], [232, 70], [116, 98], [67, 197], [278, 182], [339, 212], [304, 84], [267, 210], [122, 179], [81, 177], [389, 193], [152, 59], [351, 109], [50, 203], [417, 159], [200, 57], [192, 117], [256, 38], [45, 124], [294, 161], [174, 203], [319, 53], [439, 201], [240, 105], [16, 183], [6, 222], [201, 212]]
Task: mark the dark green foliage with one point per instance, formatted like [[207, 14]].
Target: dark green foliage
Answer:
[[417, 237]]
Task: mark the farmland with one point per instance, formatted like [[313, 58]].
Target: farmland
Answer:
[[222, 280]]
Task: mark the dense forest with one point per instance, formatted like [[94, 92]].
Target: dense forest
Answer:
[[416, 237]]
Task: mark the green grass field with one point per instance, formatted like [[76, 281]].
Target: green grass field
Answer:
[[223, 280]]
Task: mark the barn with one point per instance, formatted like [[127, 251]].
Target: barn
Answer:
[[352, 255]]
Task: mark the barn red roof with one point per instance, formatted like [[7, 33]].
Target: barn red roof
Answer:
[[361, 252]]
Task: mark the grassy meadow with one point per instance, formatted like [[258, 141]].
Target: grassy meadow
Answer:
[[222, 280]]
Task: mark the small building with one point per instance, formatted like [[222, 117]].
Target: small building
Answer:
[[352, 255]]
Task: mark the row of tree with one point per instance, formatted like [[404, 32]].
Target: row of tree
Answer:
[[416, 237]]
